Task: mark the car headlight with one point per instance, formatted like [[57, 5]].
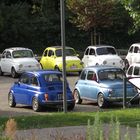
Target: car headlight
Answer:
[[110, 92], [20, 66], [81, 63], [38, 65], [104, 62]]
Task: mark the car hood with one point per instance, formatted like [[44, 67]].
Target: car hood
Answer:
[[68, 58], [25, 60]]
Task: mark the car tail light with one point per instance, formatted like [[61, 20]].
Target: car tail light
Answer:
[[46, 97], [38, 65]]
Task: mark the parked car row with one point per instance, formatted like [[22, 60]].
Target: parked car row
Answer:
[[40, 84]]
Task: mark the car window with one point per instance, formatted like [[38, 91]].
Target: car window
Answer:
[[68, 52], [137, 70], [105, 50], [4, 54], [91, 76], [50, 53], [114, 74], [24, 79], [136, 49], [52, 77], [92, 52], [8, 55], [83, 75], [130, 70], [45, 53], [34, 81], [131, 49], [22, 53], [86, 52]]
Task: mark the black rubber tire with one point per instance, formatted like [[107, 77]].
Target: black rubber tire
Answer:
[[14, 74], [1, 73], [77, 98], [71, 107], [11, 100], [35, 105], [101, 101]]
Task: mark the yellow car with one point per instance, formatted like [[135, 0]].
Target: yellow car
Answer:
[[52, 59]]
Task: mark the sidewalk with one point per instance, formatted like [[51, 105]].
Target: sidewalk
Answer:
[[68, 133]]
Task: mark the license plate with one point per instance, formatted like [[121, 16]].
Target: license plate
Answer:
[[73, 67], [60, 96]]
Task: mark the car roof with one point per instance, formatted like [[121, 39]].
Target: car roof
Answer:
[[100, 46], [100, 67], [138, 44], [16, 48], [40, 72], [58, 47], [135, 64]]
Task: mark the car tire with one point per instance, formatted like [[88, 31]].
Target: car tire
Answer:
[[1, 73], [14, 74], [101, 101], [11, 100], [71, 107], [35, 105], [77, 98]]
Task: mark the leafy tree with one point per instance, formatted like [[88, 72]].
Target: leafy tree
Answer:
[[133, 7], [90, 15]]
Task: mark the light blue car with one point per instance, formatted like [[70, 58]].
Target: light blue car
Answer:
[[102, 84]]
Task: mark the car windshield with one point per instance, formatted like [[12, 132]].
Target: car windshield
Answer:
[[52, 77], [105, 50], [22, 53], [111, 74], [68, 52]]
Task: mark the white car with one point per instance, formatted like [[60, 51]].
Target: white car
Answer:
[[16, 60], [133, 55], [133, 74], [102, 55]]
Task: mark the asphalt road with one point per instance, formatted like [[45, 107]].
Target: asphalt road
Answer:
[[6, 82]]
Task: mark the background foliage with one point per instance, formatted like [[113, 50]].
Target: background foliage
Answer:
[[36, 24]]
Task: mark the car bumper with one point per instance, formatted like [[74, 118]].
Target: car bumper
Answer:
[[57, 103]]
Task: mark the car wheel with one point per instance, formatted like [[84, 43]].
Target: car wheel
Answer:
[[71, 107], [35, 105], [1, 73], [101, 101], [14, 73], [11, 100], [77, 98]]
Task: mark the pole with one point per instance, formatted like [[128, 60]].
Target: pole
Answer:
[[63, 53], [124, 92]]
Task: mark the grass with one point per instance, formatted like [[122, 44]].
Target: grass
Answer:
[[129, 117]]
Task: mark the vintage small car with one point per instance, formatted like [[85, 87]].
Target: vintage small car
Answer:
[[102, 84], [42, 88]]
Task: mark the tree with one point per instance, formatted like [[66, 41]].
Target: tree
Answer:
[[91, 15], [133, 7]]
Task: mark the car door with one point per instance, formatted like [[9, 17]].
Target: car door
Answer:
[[21, 90], [88, 85], [8, 62], [3, 60], [85, 57], [92, 85]]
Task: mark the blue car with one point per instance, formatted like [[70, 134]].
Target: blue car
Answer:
[[103, 85], [40, 88]]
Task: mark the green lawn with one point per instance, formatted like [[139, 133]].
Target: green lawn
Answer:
[[130, 117]]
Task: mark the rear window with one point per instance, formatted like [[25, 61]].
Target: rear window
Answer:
[[52, 77], [105, 50]]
